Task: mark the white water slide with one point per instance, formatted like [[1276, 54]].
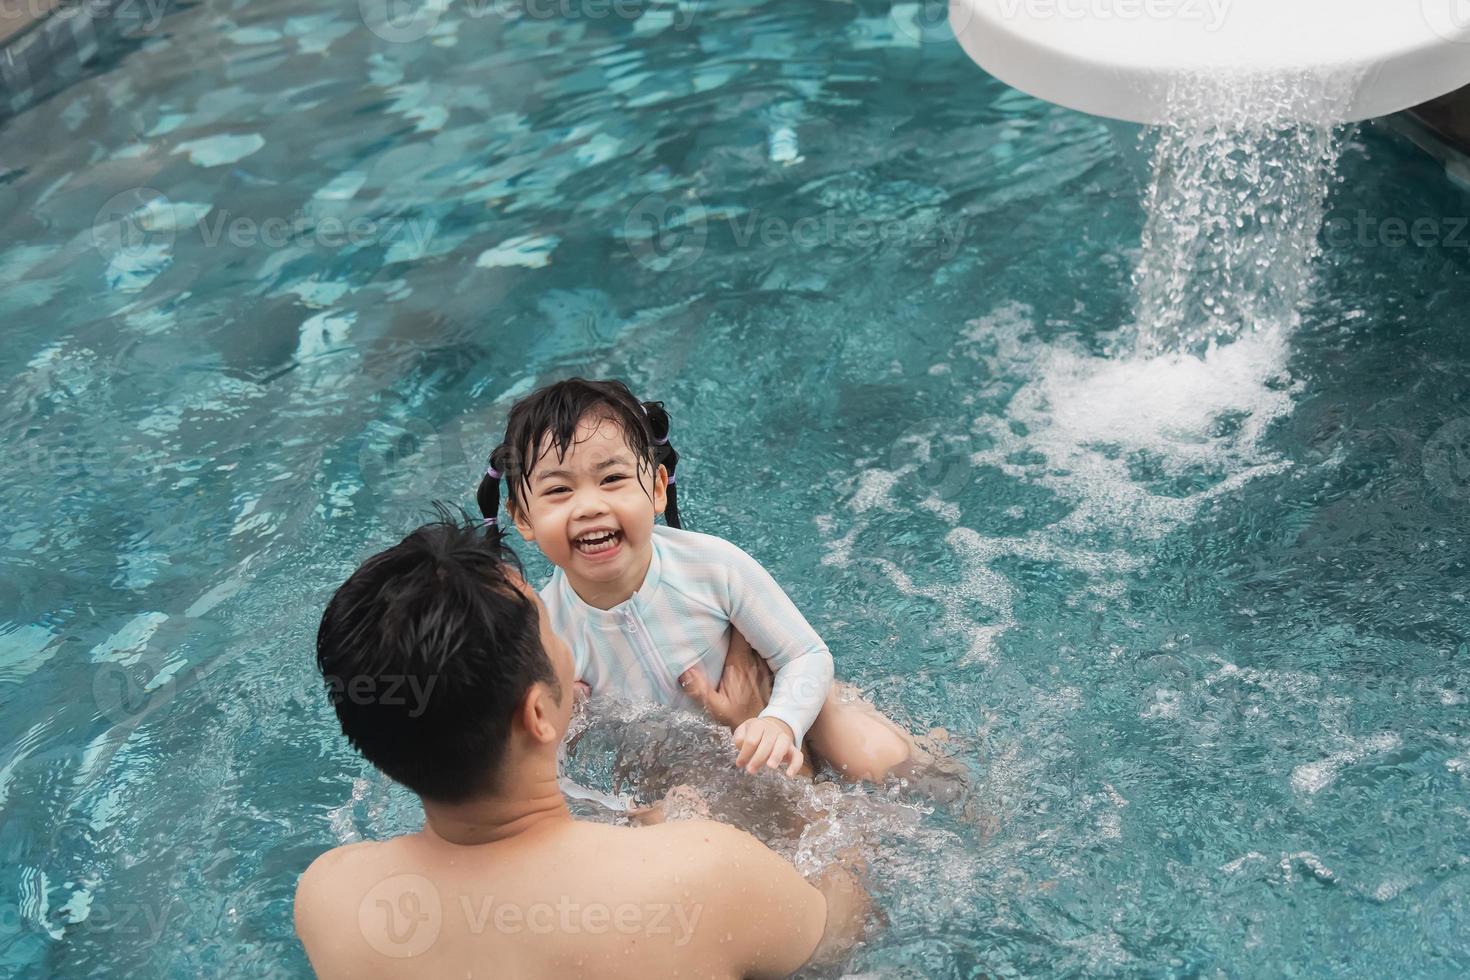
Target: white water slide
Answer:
[[1129, 59]]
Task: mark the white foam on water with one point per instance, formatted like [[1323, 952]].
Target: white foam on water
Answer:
[[1134, 445], [1093, 418], [1313, 777], [875, 489]]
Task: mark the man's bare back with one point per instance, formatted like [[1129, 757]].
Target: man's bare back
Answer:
[[693, 899]]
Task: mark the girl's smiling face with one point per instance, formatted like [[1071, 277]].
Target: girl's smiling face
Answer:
[[591, 512]]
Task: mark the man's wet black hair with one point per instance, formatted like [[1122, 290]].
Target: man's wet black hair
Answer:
[[427, 651], [556, 410]]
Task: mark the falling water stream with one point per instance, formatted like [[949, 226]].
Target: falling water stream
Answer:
[[1236, 195]]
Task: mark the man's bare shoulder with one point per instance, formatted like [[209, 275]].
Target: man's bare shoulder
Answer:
[[345, 858], [683, 856], [710, 857], [339, 872], [687, 839]]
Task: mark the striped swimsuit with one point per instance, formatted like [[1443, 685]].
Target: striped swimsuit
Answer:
[[697, 587]]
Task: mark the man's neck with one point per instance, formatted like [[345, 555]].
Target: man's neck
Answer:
[[524, 805], [605, 595]]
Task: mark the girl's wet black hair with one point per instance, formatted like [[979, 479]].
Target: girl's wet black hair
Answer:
[[555, 411]]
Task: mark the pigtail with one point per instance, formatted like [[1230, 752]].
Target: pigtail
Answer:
[[488, 495], [665, 455]]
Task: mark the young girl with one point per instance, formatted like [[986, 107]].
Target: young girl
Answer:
[[649, 609]]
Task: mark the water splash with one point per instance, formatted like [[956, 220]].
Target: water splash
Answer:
[[1235, 201]]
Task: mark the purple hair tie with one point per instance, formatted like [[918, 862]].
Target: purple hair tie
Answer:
[[671, 481], [661, 442], [489, 522], [492, 472]]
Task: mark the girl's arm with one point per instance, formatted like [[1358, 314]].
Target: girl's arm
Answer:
[[800, 661]]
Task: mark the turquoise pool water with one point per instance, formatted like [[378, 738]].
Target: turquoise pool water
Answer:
[[1198, 628]]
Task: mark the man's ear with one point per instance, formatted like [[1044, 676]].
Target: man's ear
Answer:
[[660, 489], [538, 713]]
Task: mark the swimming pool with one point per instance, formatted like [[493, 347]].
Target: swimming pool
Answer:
[[269, 281]]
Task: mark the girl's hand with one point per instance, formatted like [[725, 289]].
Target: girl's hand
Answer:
[[767, 742]]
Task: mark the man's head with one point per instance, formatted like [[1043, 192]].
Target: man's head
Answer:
[[437, 657]]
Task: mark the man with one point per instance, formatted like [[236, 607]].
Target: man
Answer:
[[446, 676]]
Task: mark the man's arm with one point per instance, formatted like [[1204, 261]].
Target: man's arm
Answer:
[[760, 914], [317, 923]]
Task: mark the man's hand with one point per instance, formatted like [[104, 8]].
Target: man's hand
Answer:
[[767, 742], [745, 686]]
